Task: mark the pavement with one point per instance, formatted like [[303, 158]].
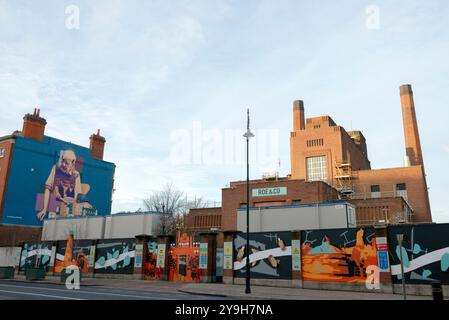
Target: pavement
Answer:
[[277, 293], [134, 289]]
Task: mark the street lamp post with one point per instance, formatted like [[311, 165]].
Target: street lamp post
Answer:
[[248, 135]]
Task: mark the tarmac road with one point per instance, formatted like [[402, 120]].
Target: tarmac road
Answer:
[[11, 290]]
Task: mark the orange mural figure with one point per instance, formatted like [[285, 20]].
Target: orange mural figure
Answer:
[[68, 251], [82, 261], [344, 263]]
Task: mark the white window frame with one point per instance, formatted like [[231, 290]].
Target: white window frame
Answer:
[[2, 152], [316, 168]]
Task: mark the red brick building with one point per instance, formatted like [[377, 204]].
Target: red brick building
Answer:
[[322, 150], [329, 163]]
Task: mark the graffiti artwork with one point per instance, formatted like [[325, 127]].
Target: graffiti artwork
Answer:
[[53, 178], [339, 255], [115, 256], [151, 261], [73, 252], [183, 259], [35, 255], [270, 255], [425, 253], [64, 193]]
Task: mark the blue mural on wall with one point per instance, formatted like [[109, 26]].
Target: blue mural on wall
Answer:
[[115, 256], [54, 178], [35, 254], [425, 253]]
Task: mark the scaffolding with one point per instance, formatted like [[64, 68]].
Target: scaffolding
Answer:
[[344, 180]]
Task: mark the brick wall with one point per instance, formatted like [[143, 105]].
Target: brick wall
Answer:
[[14, 235], [204, 219], [298, 191], [334, 143], [387, 179], [370, 211]]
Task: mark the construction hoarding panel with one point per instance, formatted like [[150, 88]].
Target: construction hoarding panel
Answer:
[[270, 255], [338, 255], [425, 253]]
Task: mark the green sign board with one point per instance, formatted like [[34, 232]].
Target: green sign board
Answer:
[[268, 192]]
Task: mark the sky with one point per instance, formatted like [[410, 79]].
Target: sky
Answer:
[[168, 83]]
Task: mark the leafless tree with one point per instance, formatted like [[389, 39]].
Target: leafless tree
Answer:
[[174, 205]]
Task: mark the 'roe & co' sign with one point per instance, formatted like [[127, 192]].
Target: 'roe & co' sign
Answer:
[[267, 192]]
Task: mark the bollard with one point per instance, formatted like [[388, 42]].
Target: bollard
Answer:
[[437, 291]]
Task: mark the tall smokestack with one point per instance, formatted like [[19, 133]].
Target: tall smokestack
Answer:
[[299, 122], [411, 133]]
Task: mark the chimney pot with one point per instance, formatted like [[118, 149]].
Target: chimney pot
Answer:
[[34, 126], [97, 143], [405, 89]]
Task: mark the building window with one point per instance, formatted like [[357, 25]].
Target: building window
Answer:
[[2, 152], [401, 187], [315, 143], [401, 190], [375, 191], [316, 168]]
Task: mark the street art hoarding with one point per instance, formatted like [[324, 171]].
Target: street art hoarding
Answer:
[[151, 261], [338, 255], [115, 256], [35, 254], [270, 255], [184, 259], [52, 179], [425, 253], [74, 252]]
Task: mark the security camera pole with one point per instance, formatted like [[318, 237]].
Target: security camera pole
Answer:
[[248, 135]]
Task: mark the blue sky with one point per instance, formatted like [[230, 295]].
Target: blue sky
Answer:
[[150, 73]]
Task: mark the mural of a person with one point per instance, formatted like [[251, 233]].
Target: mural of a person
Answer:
[[64, 183]]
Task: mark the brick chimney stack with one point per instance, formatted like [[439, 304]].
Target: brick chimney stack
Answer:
[[299, 122], [34, 126], [411, 133], [97, 145]]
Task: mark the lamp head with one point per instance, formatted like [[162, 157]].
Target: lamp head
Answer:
[[248, 134]]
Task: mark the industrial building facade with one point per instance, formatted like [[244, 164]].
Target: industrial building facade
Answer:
[[322, 150], [43, 177], [330, 164]]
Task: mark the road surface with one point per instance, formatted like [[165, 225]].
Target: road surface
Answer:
[[12, 290]]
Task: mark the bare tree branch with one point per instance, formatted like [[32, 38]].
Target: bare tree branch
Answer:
[[174, 206]]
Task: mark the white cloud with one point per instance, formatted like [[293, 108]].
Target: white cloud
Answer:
[[138, 70]]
